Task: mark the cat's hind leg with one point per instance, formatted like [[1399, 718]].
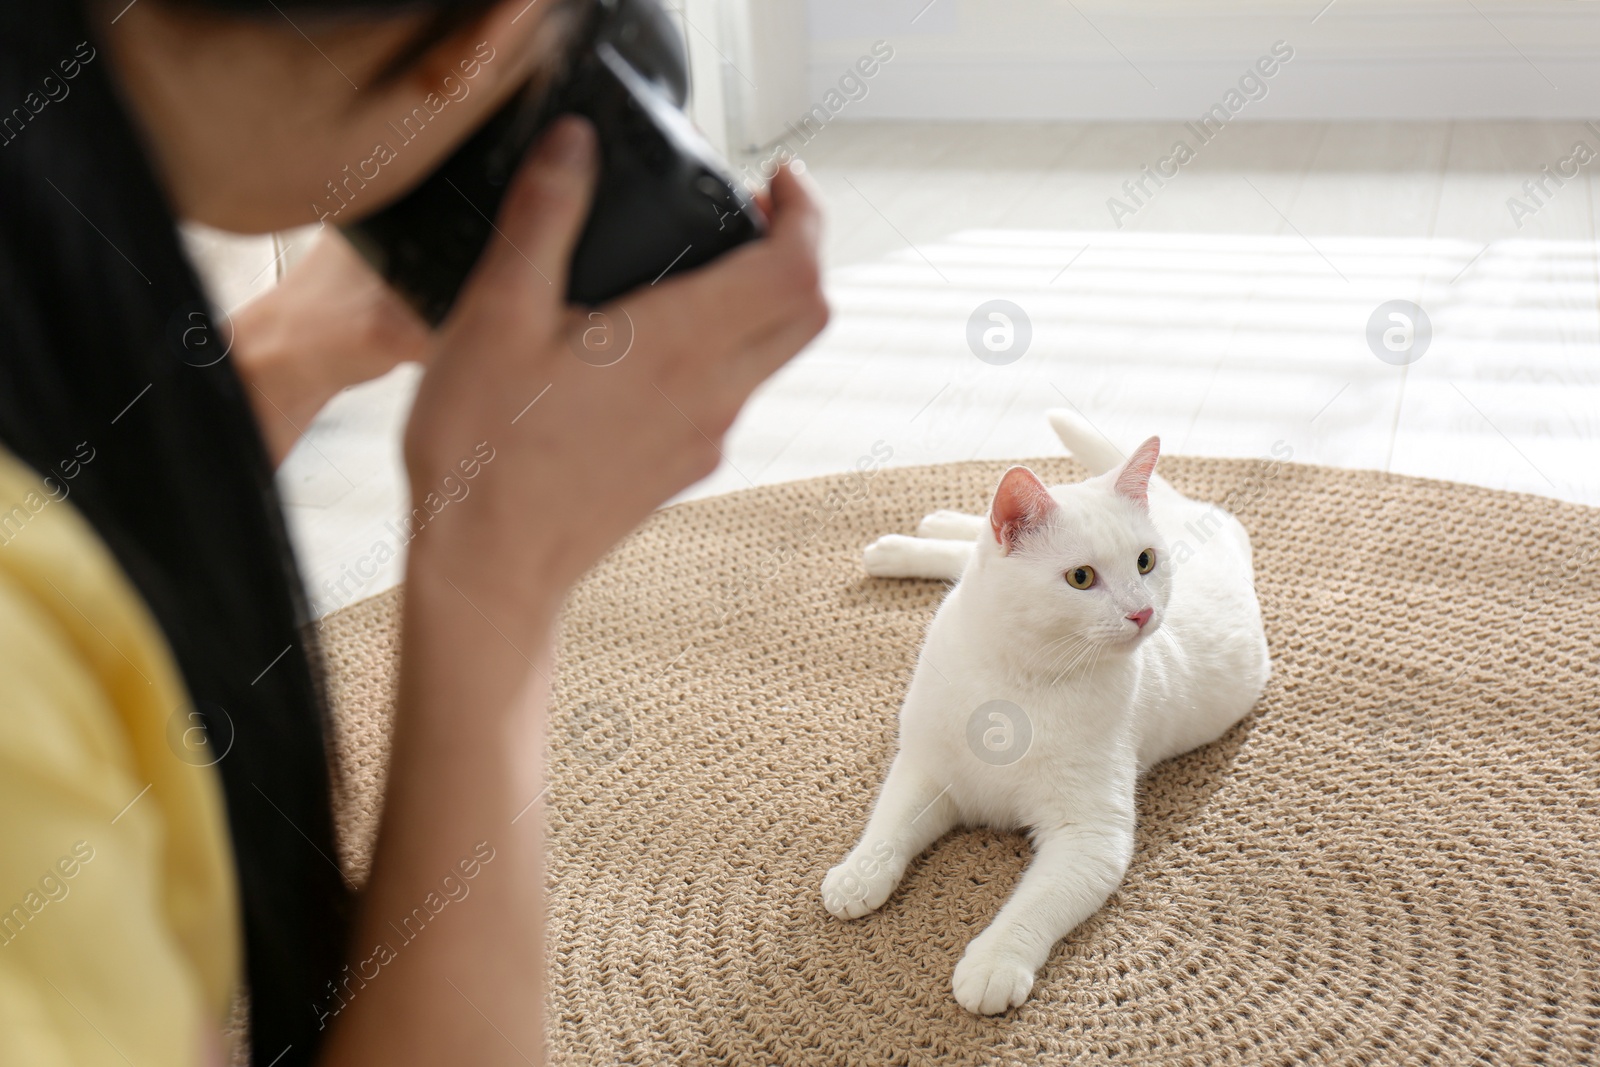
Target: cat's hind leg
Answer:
[[913, 811], [952, 525], [899, 556]]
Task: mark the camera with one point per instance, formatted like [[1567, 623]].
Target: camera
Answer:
[[663, 203]]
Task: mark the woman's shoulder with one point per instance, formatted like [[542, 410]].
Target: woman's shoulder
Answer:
[[82, 660], [117, 904]]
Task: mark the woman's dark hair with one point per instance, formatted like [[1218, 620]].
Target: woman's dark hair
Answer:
[[106, 342]]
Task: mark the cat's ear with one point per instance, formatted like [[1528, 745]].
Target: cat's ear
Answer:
[[1021, 503], [1133, 478]]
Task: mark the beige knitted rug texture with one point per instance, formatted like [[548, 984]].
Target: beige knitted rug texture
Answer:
[[1394, 859]]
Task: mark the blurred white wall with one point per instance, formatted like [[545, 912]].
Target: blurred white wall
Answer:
[[747, 62], [1169, 59]]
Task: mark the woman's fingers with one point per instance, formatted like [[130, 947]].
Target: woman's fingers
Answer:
[[619, 432], [765, 355], [795, 201], [524, 267], [772, 278]]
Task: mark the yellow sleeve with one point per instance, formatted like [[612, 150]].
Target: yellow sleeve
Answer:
[[118, 932]]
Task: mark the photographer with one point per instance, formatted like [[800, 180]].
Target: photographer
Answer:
[[161, 597]]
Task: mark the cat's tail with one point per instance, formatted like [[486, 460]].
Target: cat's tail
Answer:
[[1087, 444]]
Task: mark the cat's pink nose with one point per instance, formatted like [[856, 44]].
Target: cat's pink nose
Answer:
[[1140, 617]]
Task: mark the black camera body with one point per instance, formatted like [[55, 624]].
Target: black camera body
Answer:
[[664, 202]]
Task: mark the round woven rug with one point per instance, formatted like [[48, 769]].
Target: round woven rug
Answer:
[[1394, 859]]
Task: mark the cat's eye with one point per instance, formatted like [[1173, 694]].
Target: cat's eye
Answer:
[[1080, 577], [1147, 561]]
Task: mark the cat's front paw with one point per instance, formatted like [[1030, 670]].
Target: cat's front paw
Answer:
[[989, 979], [860, 884]]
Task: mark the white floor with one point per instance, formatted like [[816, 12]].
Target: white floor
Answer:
[[1229, 313]]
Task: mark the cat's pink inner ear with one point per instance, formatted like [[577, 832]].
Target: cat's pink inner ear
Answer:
[[1021, 503], [1133, 480]]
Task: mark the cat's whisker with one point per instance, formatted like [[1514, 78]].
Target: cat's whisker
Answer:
[[1064, 646], [1058, 649], [1074, 653], [1089, 649], [1068, 653], [1063, 639]]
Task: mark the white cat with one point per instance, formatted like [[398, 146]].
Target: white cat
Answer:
[[1075, 653]]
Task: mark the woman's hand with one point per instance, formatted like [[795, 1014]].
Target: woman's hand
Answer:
[[330, 324], [580, 455], [601, 445]]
